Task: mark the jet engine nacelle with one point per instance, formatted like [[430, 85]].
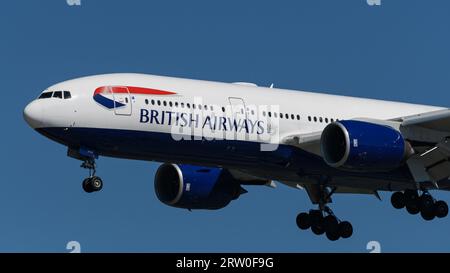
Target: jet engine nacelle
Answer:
[[195, 187], [363, 146]]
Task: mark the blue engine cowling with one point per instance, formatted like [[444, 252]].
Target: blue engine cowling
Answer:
[[363, 146], [195, 187]]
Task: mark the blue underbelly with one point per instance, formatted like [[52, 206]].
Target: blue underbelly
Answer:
[[142, 145]]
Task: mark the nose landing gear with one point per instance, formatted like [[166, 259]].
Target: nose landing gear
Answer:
[[92, 183]]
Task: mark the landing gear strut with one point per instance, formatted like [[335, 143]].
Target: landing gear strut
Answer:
[[92, 183], [425, 204], [323, 221]]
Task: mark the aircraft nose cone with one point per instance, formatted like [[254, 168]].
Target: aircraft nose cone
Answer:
[[33, 115]]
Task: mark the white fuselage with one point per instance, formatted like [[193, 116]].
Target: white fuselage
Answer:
[[83, 111]]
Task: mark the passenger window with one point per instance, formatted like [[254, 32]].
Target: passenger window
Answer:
[[188, 105], [223, 109], [269, 114], [170, 104], [176, 104], [58, 94], [46, 95], [320, 119], [67, 95], [326, 120], [182, 105], [164, 103], [298, 117], [146, 101], [159, 103], [309, 118], [281, 115], [315, 119]]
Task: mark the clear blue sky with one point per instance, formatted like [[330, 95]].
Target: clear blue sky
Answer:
[[397, 51]]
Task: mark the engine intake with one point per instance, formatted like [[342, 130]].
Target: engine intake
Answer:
[[363, 146], [195, 187]]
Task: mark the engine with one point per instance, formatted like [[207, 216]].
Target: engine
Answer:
[[363, 146], [194, 187]]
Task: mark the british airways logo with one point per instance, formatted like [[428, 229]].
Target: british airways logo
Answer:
[[116, 96]]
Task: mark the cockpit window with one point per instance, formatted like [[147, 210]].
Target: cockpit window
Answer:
[[67, 95], [46, 95], [58, 94]]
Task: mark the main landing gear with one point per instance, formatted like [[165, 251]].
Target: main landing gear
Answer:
[[323, 220], [425, 204], [329, 224], [92, 183]]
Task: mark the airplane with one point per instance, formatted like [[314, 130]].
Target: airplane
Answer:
[[213, 138]]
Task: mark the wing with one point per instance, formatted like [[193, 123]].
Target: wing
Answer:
[[309, 142], [436, 121], [429, 135]]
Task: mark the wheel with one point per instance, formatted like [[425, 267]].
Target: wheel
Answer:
[[427, 215], [345, 229], [398, 200], [303, 221], [316, 217], [411, 197], [333, 235], [318, 229], [331, 224], [96, 183], [87, 185], [413, 208], [441, 209], [426, 203], [317, 226]]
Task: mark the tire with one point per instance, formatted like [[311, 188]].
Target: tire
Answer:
[[316, 217], [87, 185], [427, 215], [303, 221], [398, 200], [413, 209], [318, 229], [331, 224], [96, 183], [411, 197], [333, 235], [426, 203], [441, 209], [345, 229]]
